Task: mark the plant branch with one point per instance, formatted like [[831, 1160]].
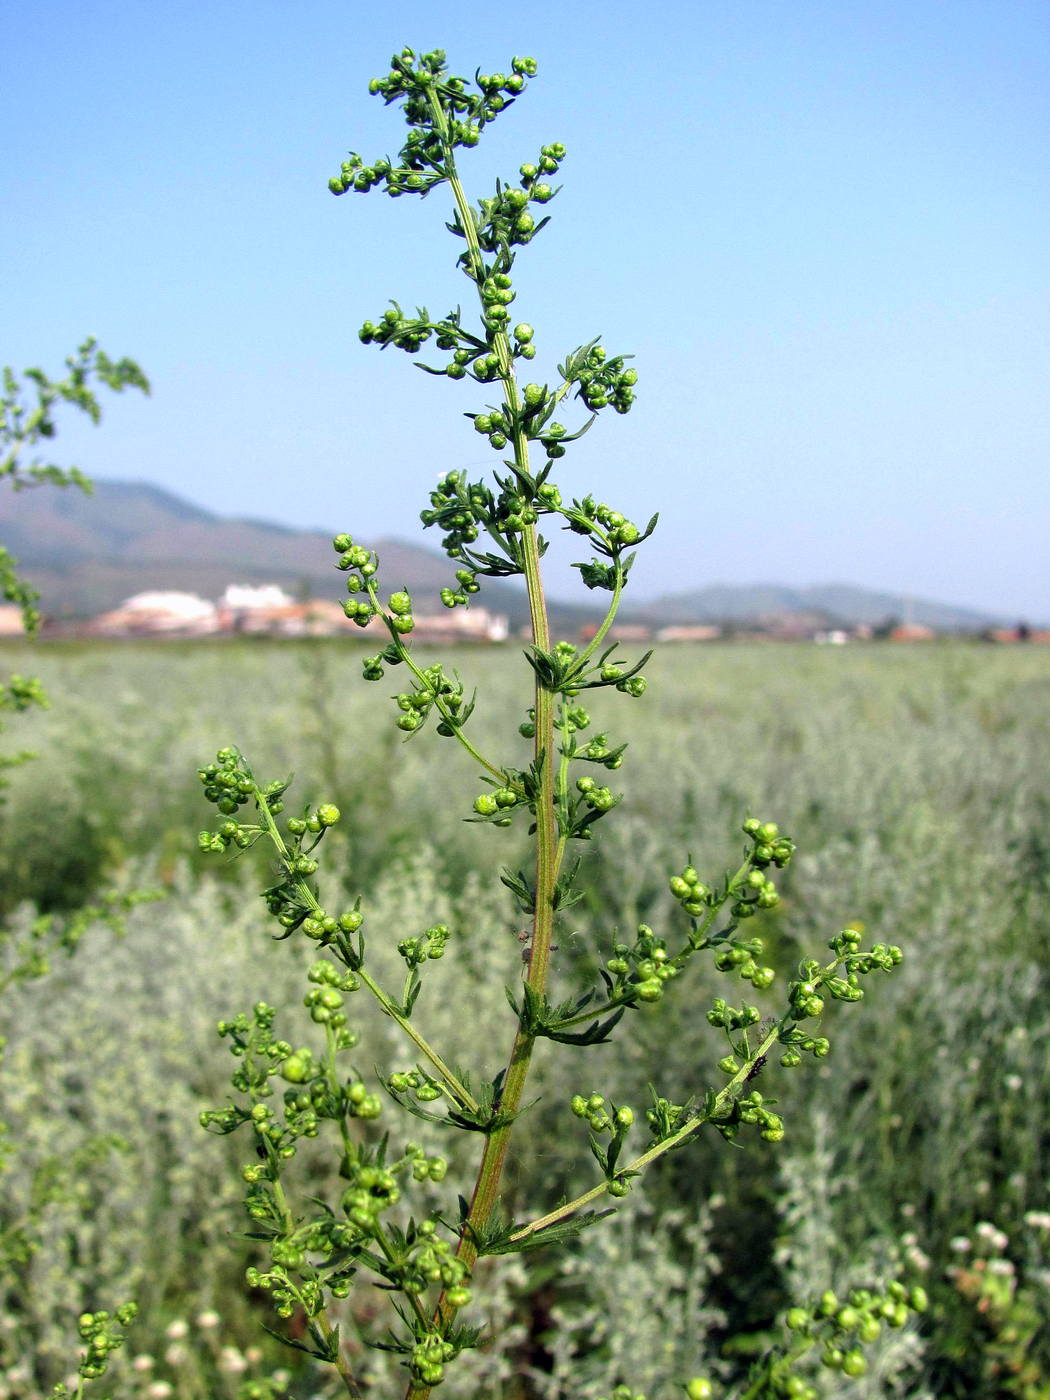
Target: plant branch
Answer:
[[462, 1094], [722, 1101]]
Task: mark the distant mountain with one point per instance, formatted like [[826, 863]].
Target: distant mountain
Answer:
[[834, 604], [86, 554]]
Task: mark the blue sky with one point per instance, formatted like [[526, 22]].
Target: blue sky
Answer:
[[820, 227]]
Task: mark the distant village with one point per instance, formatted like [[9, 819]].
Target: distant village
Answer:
[[266, 610]]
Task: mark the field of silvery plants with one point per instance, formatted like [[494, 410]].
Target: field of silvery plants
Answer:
[[913, 781]]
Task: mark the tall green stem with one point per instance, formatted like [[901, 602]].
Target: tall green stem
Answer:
[[493, 1161]]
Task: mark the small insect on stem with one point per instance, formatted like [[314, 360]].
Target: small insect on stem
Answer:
[[756, 1069]]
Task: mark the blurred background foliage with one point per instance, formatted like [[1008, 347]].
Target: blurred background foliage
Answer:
[[913, 781]]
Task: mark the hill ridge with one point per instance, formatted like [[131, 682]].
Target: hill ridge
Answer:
[[86, 554]]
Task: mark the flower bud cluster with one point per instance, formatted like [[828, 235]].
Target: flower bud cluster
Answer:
[[19, 692], [602, 381], [884, 956], [610, 533], [691, 892], [429, 1259], [341, 1239], [373, 667], [496, 289], [842, 1329], [591, 517], [287, 1294], [770, 847], [804, 994], [374, 1190], [360, 566], [663, 1117], [426, 1168], [740, 955], [496, 425], [428, 1358], [430, 944], [506, 221], [432, 689], [732, 1018], [496, 806], [468, 585], [602, 1118], [416, 1082], [640, 970], [751, 1109], [635, 686], [325, 999], [598, 751], [513, 510], [599, 799], [456, 507], [418, 87], [406, 332], [229, 784], [102, 1333], [607, 1119]]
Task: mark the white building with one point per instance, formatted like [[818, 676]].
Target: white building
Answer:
[[163, 612], [251, 597]]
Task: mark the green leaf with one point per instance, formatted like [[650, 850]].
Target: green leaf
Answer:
[[295, 1345], [499, 1241]]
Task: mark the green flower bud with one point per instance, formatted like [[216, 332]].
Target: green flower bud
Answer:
[[854, 1363]]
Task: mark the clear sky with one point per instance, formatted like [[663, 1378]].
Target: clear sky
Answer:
[[821, 227]]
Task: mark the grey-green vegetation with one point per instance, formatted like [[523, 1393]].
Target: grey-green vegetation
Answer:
[[914, 783]]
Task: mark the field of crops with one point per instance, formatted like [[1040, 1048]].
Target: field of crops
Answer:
[[914, 781]]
